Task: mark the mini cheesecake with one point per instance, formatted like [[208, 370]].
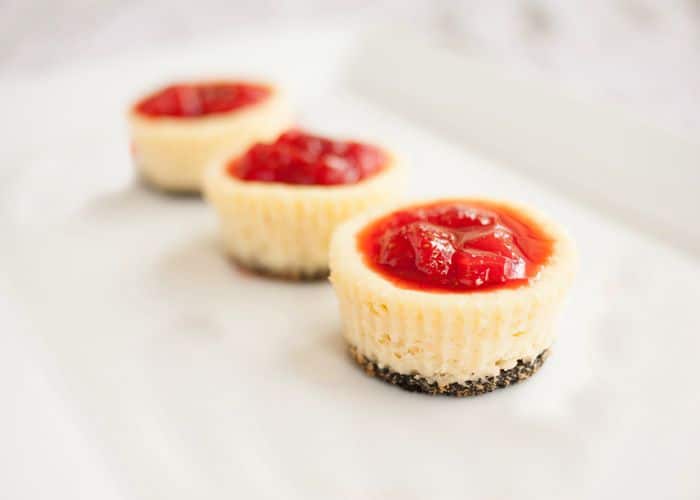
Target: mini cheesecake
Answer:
[[178, 130], [280, 201], [455, 297]]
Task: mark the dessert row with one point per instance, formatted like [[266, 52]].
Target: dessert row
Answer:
[[451, 296]]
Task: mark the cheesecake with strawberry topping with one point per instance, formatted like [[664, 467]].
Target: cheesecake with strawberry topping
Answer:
[[279, 202], [455, 296], [178, 130]]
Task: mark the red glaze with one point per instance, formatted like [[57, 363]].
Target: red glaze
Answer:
[[300, 158], [201, 99], [455, 246]]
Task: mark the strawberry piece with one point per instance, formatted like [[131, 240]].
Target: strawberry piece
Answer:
[[476, 268], [418, 246], [433, 248], [459, 216]]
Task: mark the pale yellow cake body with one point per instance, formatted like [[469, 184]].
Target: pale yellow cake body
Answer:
[[447, 337], [286, 229], [172, 153]]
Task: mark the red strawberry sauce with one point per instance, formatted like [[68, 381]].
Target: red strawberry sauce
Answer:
[[455, 246], [304, 159], [201, 99]]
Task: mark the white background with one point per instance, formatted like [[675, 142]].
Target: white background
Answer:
[[643, 53]]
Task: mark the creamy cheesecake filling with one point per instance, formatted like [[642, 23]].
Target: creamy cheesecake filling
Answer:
[[173, 152], [447, 337]]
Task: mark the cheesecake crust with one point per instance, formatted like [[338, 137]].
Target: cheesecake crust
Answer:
[[286, 275], [522, 370], [158, 189]]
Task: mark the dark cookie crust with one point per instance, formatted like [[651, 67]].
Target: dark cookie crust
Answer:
[[415, 383], [287, 275], [172, 193]]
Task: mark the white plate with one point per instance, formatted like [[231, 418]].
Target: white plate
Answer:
[[194, 380]]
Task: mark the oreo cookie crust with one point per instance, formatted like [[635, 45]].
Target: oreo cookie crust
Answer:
[[290, 275], [163, 191], [415, 383]]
